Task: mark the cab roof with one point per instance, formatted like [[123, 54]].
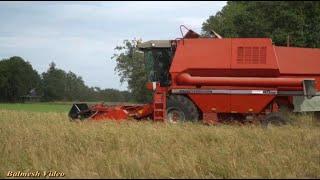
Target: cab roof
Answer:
[[155, 44]]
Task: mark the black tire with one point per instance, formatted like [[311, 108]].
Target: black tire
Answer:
[[275, 118], [183, 107], [285, 109]]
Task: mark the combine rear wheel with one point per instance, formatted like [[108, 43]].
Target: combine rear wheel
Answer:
[[274, 118], [181, 109]]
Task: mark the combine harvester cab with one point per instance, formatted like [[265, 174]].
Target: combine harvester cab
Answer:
[[215, 79]]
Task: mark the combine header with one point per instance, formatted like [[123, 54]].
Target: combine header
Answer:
[[99, 112], [215, 79]]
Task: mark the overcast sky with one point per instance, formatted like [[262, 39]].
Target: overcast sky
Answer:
[[81, 36]]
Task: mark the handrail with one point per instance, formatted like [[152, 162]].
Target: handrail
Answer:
[[181, 29]]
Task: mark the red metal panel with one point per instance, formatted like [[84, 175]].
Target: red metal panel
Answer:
[[253, 53], [293, 60], [231, 103], [201, 54], [249, 103], [108, 113], [209, 103]]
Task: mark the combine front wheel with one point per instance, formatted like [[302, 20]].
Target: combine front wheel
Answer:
[[180, 109]]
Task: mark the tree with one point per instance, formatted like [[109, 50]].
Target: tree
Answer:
[[61, 86], [130, 68], [17, 78], [75, 88], [54, 83], [274, 19]]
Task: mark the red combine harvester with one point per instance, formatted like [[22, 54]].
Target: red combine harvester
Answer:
[[216, 79]]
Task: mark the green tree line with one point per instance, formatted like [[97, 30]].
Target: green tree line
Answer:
[[18, 78], [300, 20]]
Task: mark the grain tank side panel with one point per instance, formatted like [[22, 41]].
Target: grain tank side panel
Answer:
[[231, 103], [298, 61], [249, 103], [201, 54], [209, 103], [254, 53]]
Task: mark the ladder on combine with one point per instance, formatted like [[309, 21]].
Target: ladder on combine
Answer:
[[159, 105]]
